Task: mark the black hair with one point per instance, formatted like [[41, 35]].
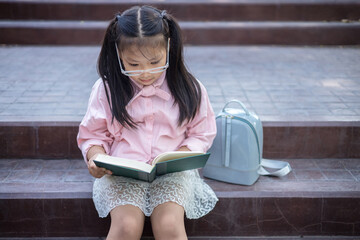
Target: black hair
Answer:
[[146, 26]]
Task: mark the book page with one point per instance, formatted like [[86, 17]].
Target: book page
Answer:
[[123, 162], [166, 156]]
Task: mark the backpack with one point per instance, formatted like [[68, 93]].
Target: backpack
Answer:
[[236, 153]]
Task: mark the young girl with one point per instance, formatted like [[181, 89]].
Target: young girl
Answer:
[[146, 103]]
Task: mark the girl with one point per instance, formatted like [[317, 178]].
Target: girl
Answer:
[[146, 103]]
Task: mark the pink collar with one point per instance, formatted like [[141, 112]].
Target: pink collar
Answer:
[[156, 84], [151, 90]]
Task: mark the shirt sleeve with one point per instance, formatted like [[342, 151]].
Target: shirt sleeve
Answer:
[[201, 131], [93, 129]]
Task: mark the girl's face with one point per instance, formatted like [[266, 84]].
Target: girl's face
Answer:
[[144, 58]]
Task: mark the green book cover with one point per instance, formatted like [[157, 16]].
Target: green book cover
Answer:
[[167, 162]]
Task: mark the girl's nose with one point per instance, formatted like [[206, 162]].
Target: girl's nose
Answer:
[[145, 73]]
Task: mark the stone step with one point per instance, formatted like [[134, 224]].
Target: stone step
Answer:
[[186, 10], [281, 140], [287, 22], [195, 33], [206, 238], [307, 97], [320, 197]]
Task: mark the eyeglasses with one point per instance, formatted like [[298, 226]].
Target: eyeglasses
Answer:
[[151, 70]]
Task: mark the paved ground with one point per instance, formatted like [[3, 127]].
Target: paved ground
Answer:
[[279, 83]]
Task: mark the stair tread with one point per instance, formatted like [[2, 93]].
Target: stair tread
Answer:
[[186, 9], [207, 238], [183, 24], [209, 33], [26, 178], [187, 1], [318, 198], [316, 86]]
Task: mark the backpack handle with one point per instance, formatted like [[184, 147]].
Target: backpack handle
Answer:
[[238, 102], [283, 168]]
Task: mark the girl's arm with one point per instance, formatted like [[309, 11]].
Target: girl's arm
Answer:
[[201, 131], [94, 151], [94, 136], [184, 148], [95, 171]]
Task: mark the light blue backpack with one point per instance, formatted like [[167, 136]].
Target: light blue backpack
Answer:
[[236, 154]]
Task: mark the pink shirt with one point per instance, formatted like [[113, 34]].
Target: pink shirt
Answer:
[[153, 109]]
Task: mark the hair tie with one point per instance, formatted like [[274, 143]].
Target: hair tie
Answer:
[[117, 17], [163, 14]]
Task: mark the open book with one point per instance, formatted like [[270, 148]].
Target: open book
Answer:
[[164, 163]]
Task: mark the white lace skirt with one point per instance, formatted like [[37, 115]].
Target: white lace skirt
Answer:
[[184, 188]]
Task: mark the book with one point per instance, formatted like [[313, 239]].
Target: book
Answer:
[[167, 162]]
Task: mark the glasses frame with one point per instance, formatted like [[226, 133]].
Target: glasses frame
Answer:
[[151, 70]]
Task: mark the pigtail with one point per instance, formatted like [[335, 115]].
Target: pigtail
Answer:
[[114, 82], [183, 85], [105, 61]]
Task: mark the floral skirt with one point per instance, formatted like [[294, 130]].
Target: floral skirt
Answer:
[[184, 188]]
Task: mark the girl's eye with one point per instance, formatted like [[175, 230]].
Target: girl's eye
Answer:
[[154, 63], [133, 64]]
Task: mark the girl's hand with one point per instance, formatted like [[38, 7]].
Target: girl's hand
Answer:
[[183, 148], [95, 171]]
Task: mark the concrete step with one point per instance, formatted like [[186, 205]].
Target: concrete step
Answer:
[[195, 33], [282, 84], [320, 197], [281, 140], [83, 22], [186, 10], [307, 97], [204, 238]]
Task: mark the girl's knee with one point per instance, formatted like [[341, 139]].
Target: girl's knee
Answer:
[[126, 225], [127, 222], [168, 226], [169, 222]]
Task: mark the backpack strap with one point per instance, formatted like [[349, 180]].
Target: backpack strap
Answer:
[[283, 168], [228, 142], [239, 103], [226, 133]]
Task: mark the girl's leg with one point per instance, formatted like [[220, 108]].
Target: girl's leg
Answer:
[[127, 222], [167, 221]]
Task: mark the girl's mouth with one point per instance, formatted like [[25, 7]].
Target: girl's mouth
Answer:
[[146, 80]]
